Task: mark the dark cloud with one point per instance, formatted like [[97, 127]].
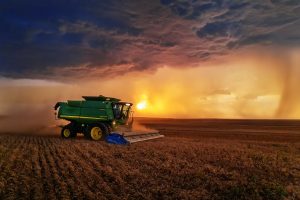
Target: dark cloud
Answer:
[[219, 29], [48, 39]]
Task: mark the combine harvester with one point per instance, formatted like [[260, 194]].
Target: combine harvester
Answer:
[[98, 116]]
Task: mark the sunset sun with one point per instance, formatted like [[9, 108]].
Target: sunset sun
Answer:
[[141, 105]]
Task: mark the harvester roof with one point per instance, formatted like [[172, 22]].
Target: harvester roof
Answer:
[[100, 98]]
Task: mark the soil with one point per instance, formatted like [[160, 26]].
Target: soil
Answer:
[[197, 159]]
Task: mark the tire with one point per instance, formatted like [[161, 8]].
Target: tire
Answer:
[[68, 132], [97, 132]]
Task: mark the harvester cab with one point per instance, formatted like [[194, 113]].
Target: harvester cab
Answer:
[[98, 116], [122, 112]]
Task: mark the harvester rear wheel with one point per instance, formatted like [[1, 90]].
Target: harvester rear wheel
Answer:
[[97, 132], [68, 132]]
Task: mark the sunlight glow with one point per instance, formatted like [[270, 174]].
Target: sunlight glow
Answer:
[[141, 105]]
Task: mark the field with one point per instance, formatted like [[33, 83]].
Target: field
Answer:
[[198, 159]]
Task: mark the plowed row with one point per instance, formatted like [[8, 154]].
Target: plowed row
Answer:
[[177, 167]]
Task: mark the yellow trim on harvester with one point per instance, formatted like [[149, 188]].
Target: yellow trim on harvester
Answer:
[[72, 116]]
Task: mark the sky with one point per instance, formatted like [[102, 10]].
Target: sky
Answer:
[[183, 59]]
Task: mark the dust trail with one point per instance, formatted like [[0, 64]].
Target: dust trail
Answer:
[[137, 126], [28, 109], [29, 122]]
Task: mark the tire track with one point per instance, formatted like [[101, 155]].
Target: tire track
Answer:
[[63, 174], [10, 147], [9, 172], [78, 170], [66, 182], [59, 186], [36, 191], [108, 178], [25, 180], [49, 190]]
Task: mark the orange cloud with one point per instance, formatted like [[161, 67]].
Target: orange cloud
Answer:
[[251, 85]]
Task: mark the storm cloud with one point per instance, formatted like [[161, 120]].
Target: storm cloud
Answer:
[[66, 39]]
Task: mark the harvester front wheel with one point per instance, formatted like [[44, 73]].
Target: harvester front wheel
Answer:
[[67, 132], [97, 132]]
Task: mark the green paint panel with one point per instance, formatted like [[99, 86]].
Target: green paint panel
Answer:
[[66, 109], [94, 104], [94, 112], [74, 103], [91, 110]]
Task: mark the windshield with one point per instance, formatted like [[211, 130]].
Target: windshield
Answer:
[[125, 110], [121, 111]]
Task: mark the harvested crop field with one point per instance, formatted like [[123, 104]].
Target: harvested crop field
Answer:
[[198, 159]]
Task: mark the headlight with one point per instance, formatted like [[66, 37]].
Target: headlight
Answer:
[[113, 123]]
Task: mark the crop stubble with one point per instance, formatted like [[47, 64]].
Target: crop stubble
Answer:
[[197, 159]]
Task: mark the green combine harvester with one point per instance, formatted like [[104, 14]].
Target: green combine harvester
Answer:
[[97, 116]]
